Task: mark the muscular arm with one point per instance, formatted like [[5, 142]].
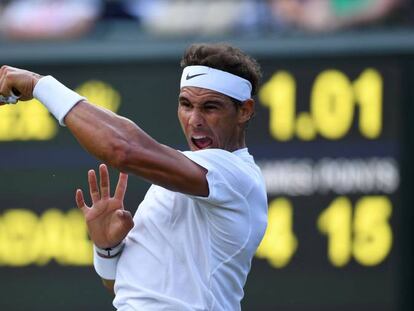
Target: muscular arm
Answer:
[[120, 143], [117, 141]]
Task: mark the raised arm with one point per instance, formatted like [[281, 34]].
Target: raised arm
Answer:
[[117, 141], [120, 143]]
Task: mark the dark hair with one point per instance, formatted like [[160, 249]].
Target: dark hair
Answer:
[[224, 57]]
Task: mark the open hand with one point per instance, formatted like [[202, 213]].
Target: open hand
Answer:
[[107, 221]]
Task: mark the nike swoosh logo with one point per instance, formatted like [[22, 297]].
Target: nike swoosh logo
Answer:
[[193, 76]]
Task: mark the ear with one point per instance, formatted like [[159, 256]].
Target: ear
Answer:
[[246, 111]]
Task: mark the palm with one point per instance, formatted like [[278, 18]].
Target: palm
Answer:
[[105, 226], [108, 222]]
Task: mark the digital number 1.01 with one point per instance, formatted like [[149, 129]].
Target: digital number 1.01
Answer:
[[333, 100]]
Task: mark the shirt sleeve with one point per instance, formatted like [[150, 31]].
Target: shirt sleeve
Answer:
[[227, 175]]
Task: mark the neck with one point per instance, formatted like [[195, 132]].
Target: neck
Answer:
[[240, 143]]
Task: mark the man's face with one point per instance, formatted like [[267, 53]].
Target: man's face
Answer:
[[209, 120]]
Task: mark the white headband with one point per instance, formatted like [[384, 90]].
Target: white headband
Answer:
[[217, 80]]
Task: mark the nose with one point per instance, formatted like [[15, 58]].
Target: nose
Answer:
[[196, 119]]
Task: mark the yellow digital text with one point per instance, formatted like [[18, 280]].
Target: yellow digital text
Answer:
[[332, 108], [29, 239]]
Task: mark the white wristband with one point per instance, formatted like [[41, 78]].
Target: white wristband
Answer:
[[105, 267], [56, 97], [110, 252]]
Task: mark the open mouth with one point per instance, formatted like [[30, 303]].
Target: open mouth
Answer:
[[201, 142]]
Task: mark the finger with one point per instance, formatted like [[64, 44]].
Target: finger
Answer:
[[15, 92], [104, 180], [2, 75], [80, 202], [93, 186], [5, 88], [2, 89], [121, 186]]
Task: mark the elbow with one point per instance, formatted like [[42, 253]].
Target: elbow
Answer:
[[126, 151], [119, 155], [125, 156]]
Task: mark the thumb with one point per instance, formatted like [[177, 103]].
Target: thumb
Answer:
[[126, 218]]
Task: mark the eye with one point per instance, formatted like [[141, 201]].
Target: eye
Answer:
[[185, 104], [211, 106]]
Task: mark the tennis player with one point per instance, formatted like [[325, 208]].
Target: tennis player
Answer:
[[191, 242]]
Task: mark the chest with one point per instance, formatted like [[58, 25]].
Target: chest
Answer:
[[168, 210]]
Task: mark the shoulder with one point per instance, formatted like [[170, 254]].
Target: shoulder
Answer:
[[237, 169], [219, 159], [211, 154]]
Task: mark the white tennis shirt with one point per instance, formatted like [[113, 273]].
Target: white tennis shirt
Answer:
[[194, 253]]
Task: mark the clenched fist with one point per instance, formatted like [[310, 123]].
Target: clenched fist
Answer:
[[18, 81]]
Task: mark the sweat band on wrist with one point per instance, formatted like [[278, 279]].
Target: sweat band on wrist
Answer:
[[110, 252], [56, 97], [217, 80], [105, 267]]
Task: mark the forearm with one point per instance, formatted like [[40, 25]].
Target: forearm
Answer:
[[106, 135], [119, 142], [106, 266], [109, 285]]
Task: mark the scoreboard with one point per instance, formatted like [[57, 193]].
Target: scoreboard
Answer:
[[332, 164], [330, 135]]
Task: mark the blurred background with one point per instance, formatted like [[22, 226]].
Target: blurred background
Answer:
[[332, 135]]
